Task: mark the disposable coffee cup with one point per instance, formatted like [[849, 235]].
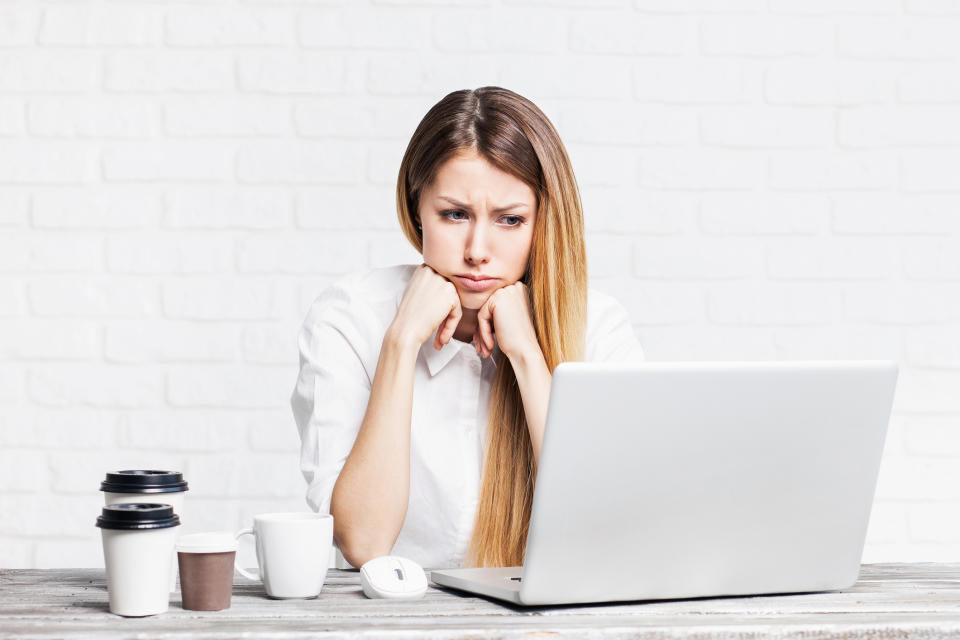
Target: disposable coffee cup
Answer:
[[206, 570], [138, 539], [144, 485]]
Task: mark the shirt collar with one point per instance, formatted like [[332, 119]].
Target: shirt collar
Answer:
[[438, 359], [435, 359]]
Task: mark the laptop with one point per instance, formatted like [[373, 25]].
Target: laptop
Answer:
[[663, 480]]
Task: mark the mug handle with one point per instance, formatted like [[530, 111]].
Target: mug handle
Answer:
[[248, 576]]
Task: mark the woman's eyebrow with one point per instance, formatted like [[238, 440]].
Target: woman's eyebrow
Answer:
[[499, 210]]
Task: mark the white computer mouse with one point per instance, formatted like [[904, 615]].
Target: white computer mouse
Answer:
[[393, 577]]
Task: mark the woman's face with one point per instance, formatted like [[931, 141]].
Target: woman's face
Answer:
[[465, 234]]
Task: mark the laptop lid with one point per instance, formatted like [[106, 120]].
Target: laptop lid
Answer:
[[687, 479]]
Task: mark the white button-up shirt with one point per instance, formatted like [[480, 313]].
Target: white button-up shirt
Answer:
[[339, 349]]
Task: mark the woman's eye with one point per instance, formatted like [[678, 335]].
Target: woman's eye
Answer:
[[516, 220]]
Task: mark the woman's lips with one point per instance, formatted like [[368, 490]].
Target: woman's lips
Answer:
[[477, 285]]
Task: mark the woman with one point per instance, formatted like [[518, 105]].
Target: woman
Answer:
[[398, 443]]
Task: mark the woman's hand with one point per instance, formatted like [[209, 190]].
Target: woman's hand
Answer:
[[430, 301], [506, 318]]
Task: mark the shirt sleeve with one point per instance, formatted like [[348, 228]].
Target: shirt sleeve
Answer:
[[332, 389], [610, 336]]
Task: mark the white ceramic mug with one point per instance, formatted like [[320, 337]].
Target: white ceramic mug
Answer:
[[293, 552]]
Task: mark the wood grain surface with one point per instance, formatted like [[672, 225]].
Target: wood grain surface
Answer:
[[888, 601]]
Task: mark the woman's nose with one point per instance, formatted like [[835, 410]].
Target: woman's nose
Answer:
[[476, 250]]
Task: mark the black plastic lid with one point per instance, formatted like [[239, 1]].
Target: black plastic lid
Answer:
[[144, 481], [137, 515]]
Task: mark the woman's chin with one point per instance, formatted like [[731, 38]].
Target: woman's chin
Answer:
[[473, 299]]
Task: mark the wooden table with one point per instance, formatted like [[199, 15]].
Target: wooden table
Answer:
[[889, 601]]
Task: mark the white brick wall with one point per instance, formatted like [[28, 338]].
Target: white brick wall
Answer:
[[762, 179]]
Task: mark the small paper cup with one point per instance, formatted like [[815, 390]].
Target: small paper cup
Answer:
[[206, 570]]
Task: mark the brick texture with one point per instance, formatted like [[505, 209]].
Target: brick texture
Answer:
[[762, 179]]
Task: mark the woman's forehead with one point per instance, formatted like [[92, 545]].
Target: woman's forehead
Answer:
[[471, 180]]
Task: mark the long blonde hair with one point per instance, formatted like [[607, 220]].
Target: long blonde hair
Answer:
[[513, 135]]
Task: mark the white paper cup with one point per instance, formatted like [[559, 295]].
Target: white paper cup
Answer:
[[137, 542], [154, 487]]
